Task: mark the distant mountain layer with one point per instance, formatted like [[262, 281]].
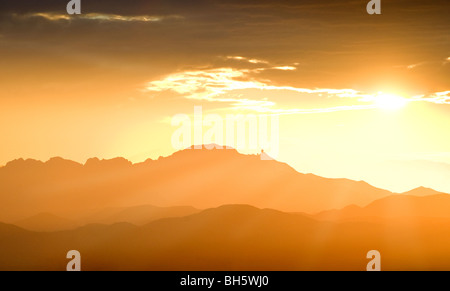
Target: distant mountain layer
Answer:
[[423, 191], [394, 208], [235, 237], [46, 222], [137, 215], [199, 178]]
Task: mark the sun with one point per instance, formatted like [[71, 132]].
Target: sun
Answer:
[[390, 102]]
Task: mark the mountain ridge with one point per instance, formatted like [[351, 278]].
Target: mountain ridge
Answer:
[[392, 208], [199, 178], [229, 238]]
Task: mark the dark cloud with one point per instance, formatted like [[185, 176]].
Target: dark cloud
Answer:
[[123, 7], [336, 42], [135, 7]]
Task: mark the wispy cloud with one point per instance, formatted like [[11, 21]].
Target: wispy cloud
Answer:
[[215, 85], [210, 85], [99, 17], [252, 61], [268, 65], [48, 16], [413, 66], [207, 84], [320, 110], [437, 98], [285, 68]]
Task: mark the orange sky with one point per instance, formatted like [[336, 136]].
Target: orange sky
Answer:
[[108, 82]]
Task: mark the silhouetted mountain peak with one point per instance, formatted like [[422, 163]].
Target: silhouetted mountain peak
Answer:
[[209, 147], [242, 213], [19, 163], [59, 162], [422, 191], [92, 161], [207, 153], [113, 163]]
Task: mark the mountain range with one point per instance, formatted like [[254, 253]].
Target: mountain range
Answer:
[[392, 208], [196, 178], [231, 237], [242, 213]]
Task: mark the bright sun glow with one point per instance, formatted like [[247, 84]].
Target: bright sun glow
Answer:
[[390, 101]]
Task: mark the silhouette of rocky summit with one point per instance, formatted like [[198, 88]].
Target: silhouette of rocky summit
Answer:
[[199, 178]]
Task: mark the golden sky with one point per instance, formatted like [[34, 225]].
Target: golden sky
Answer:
[[358, 96]]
